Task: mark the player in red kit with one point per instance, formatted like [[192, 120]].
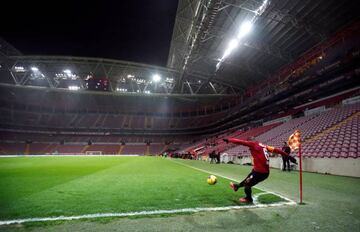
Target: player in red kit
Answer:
[[260, 171]]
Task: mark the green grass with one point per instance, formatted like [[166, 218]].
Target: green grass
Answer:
[[66, 186], [332, 204]]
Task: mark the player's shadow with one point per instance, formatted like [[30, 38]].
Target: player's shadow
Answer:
[[238, 203]]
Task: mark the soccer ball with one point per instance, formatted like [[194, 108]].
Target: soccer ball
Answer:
[[211, 180]]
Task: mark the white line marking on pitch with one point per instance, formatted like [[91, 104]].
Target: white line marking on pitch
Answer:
[[154, 212], [206, 171], [38, 156]]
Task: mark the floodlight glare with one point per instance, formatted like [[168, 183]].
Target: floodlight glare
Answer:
[[233, 44], [156, 77], [35, 69], [67, 71], [245, 28]]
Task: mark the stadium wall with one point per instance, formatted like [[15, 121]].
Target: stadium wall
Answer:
[[334, 166]]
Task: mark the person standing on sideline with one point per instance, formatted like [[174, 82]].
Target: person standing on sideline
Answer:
[[286, 159]]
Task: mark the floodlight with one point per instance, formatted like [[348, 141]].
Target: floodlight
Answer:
[[74, 87], [67, 71], [245, 28], [35, 69], [19, 69], [156, 77]]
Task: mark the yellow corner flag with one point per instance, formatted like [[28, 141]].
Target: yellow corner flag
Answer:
[[294, 140]]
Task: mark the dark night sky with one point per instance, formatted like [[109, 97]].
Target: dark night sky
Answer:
[[133, 30]]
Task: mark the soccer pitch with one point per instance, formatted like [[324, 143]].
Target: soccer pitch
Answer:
[[46, 187]]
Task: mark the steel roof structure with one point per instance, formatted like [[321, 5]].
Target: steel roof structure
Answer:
[[282, 32], [52, 71], [285, 30]]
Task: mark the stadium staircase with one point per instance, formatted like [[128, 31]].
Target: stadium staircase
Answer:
[[147, 152], [2, 151], [120, 149], [27, 149], [85, 148], [165, 148], [48, 148]]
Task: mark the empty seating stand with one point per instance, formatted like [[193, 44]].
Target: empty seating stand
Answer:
[[336, 132]]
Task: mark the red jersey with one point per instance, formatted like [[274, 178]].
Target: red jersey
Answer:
[[259, 153]]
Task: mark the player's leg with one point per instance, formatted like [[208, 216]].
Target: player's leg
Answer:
[[253, 179], [235, 186]]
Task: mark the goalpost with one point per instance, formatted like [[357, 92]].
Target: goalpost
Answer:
[[93, 152]]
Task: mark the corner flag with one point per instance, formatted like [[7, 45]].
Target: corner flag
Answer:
[[294, 143], [294, 140]]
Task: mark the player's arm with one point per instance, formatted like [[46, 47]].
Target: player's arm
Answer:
[[276, 150], [239, 141]]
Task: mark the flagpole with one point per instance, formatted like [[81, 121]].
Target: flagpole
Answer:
[[300, 162]]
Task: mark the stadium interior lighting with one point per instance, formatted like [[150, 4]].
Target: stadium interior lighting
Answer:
[[34, 69], [19, 69], [262, 8], [74, 87], [245, 29], [67, 71], [232, 45], [156, 77], [121, 90], [130, 76]]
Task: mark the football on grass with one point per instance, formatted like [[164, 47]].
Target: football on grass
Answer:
[[211, 180]]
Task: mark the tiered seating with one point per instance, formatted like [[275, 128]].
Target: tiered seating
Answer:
[[309, 127], [134, 149], [69, 149], [104, 121], [278, 135], [254, 132], [222, 146], [342, 142], [13, 148], [113, 121], [137, 122], [37, 148], [87, 120], [156, 149], [326, 120]]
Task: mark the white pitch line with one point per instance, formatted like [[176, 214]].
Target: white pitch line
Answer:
[[206, 171], [153, 212], [16, 156]]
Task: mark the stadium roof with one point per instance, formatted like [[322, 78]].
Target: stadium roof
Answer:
[[200, 60], [66, 71], [282, 31]]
